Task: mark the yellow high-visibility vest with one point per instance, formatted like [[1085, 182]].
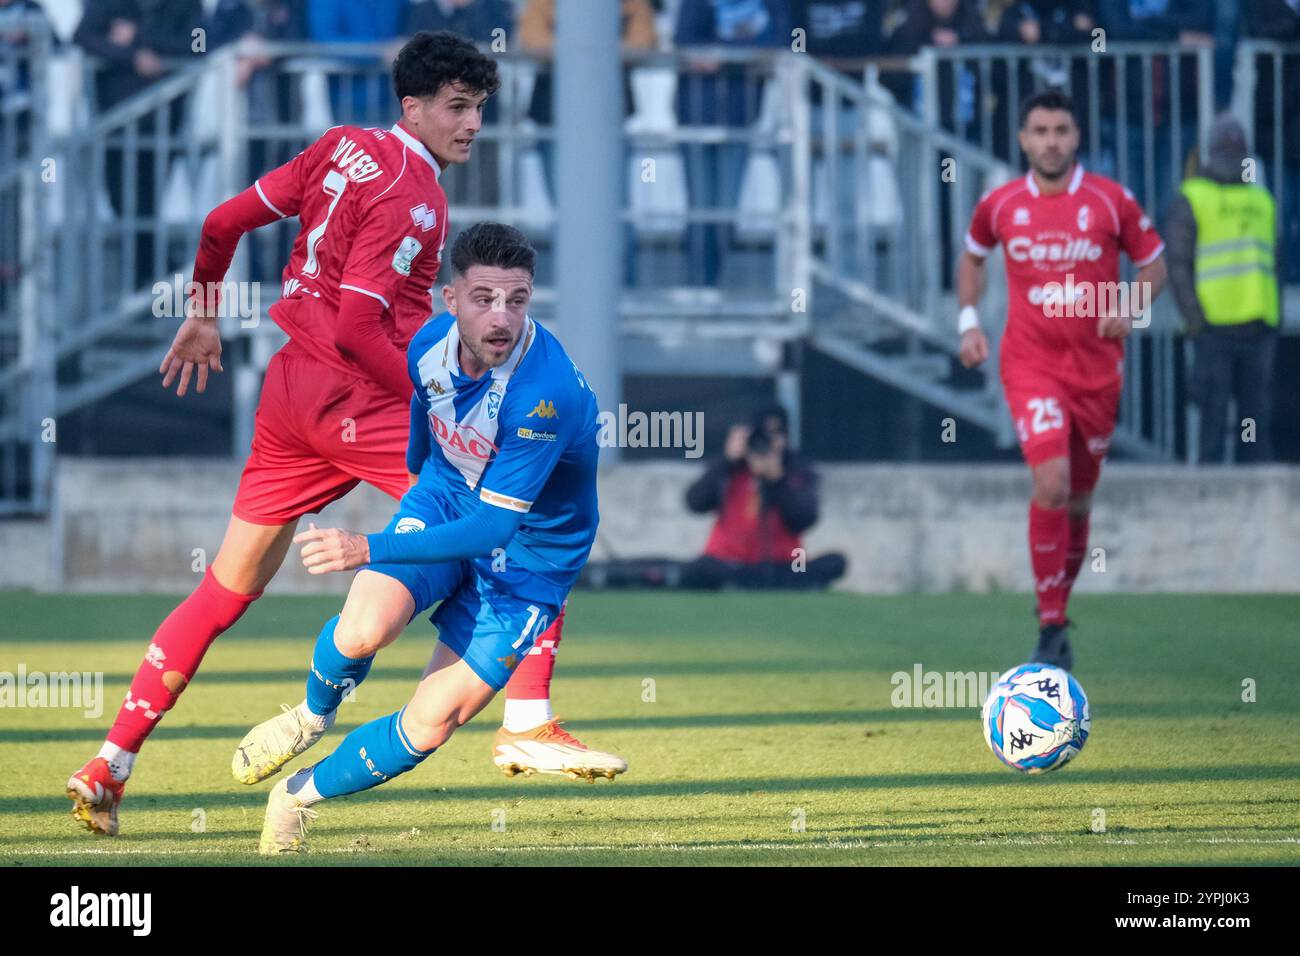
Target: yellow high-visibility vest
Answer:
[[1236, 246]]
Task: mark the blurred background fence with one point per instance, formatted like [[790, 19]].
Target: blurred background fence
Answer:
[[791, 224]]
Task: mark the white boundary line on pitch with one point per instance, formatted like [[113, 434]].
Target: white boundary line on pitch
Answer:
[[670, 847]]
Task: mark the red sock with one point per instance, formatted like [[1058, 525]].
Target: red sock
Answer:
[[532, 678], [1076, 552], [1048, 541], [174, 656]]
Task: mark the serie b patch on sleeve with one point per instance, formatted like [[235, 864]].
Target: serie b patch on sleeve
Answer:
[[405, 255]]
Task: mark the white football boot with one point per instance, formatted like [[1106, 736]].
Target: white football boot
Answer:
[[273, 743], [285, 828], [548, 748]]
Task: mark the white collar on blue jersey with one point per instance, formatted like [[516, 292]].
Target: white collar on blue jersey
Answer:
[[416, 147], [1075, 180], [451, 350]]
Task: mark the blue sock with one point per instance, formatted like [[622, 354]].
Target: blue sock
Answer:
[[332, 675], [371, 754]]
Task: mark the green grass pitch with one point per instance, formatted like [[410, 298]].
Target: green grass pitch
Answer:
[[766, 710]]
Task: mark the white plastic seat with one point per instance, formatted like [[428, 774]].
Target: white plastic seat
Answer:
[[177, 206], [656, 175], [536, 208], [314, 93]]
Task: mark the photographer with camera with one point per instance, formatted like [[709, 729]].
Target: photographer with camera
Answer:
[[766, 497]]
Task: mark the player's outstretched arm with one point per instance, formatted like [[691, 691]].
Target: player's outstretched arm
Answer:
[[477, 535], [197, 345], [332, 549]]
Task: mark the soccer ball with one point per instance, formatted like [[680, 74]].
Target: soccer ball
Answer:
[[1036, 718]]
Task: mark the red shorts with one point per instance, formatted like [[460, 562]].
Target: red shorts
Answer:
[[1058, 421], [317, 435]]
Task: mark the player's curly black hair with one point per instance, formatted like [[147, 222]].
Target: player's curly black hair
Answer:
[[429, 61], [1050, 99], [492, 244]]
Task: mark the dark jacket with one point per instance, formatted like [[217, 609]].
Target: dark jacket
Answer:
[[956, 112], [840, 28], [918, 25], [1272, 19], [1275, 20], [726, 96], [474, 22], [1055, 20], [230, 20], [787, 508], [163, 26], [1123, 22]]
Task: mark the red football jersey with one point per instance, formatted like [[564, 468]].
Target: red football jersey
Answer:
[[374, 220], [1060, 245]]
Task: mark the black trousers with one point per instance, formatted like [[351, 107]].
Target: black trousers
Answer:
[[1234, 362]]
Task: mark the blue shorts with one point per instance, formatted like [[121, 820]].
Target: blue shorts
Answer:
[[488, 627]]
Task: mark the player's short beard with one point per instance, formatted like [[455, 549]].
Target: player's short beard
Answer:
[[479, 351], [1067, 163]]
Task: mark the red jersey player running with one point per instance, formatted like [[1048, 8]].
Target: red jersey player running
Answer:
[[1061, 231], [336, 402]]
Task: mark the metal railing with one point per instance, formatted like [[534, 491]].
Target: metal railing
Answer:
[[699, 262], [1266, 76], [1143, 108], [27, 277], [883, 302], [770, 198]]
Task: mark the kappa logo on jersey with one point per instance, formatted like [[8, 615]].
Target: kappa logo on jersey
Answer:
[[424, 217], [405, 255], [1085, 218], [544, 409], [436, 385], [462, 439], [1021, 217]]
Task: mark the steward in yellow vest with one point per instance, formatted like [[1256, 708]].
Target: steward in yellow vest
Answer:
[[1223, 273]]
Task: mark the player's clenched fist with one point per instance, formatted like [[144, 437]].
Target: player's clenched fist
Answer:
[[332, 549], [974, 347]]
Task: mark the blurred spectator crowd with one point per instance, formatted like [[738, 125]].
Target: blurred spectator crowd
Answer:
[[132, 43], [137, 37]]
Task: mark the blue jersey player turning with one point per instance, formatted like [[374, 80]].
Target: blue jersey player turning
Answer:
[[504, 439]]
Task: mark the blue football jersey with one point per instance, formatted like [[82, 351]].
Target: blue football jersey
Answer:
[[522, 437]]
